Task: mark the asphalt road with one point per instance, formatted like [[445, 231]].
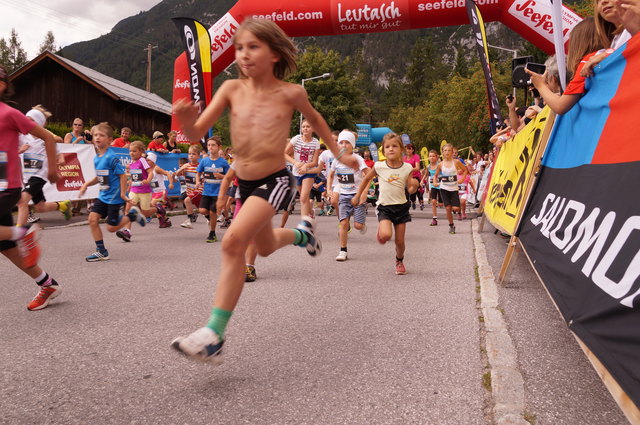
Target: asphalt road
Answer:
[[313, 341]]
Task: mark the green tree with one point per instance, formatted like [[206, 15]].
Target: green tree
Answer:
[[49, 43], [425, 68], [455, 110], [338, 98], [12, 55]]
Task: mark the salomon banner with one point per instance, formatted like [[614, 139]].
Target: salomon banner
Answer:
[[477, 24], [197, 42], [512, 169], [581, 229]]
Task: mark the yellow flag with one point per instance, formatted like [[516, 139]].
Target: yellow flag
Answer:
[[381, 156]]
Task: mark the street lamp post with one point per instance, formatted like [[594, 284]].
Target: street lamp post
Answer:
[[325, 75], [515, 55]]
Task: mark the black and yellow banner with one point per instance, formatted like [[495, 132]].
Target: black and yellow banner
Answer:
[[197, 42], [511, 174]]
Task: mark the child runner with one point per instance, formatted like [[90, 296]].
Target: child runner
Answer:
[[194, 192], [349, 179], [140, 191], [324, 161], [262, 105], [447, 180], [159, 191], [305, 150], [111, 177], [395, 179], [211, 170], [434, 192], [19, 243], [413, 159], [35, 172]]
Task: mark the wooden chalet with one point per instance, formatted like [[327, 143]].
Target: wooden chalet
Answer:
[[70, 90]]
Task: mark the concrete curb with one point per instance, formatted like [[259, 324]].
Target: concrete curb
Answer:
[[507, 384]]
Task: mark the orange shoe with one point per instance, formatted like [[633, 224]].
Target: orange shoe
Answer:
[[400, 267], [29, 247], [46, 294]]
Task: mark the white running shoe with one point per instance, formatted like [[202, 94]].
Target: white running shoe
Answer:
[[342, 256], [204, 345], [187, 224]]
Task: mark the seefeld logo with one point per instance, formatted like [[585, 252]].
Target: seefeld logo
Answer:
[[221, 34], [182, 84], [536, 16]]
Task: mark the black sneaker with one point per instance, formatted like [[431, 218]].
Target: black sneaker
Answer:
[[308, 226], [452, 229], [250, 274]]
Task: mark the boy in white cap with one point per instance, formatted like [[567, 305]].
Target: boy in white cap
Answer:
[[35, 171], [348, 180]]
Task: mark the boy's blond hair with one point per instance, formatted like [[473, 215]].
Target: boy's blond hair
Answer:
[[392, 137], [278, 42], [42, 109], [137, 144], [196, 148], [103, 127]]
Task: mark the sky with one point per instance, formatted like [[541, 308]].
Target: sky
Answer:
[[69, 20]]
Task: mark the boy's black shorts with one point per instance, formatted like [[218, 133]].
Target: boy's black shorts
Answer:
[[8, 200], [396, 213], [450, 197], [110, 211], [435, 194], [315, 195], [34, 188], [277, 189], [209, 203]]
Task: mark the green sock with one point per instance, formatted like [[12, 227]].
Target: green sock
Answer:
[[218, 320], [301, 238]]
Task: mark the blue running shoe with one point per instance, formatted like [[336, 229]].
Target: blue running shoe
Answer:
[[98, 256], [134, 214], [204, 345]]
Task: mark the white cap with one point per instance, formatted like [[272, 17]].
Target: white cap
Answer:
[[348, 136], [152, 156], [37, 116]]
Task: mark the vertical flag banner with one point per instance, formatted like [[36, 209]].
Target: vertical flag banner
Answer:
[[558, 41], [481, 43], [197, 42], [581, 228]]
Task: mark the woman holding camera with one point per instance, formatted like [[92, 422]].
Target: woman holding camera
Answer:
[[78, 134]]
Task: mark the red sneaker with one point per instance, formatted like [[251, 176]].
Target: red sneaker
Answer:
[[28, 246], [400, 268], [46, 294]]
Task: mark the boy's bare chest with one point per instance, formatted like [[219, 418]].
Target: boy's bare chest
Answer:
[[247, 107]]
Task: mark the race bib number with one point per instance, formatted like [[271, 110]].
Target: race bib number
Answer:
[[190, 180], [103, 179], [448, 179], [346, 180], [156, 187], [32, 162], [4, 183], [209, 175], [136, 177]]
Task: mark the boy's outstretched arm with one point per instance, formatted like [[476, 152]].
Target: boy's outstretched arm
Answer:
[[195, 126]]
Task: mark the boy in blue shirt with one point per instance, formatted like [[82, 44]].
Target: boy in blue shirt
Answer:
[[212, 170], [110, 174]]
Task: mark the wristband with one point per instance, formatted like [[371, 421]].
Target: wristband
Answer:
[[341, 153]]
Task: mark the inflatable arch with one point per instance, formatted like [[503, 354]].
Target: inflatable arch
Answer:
[[529, 18]]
